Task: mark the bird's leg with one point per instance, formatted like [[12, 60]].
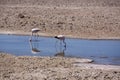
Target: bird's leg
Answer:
[[64, 43], [56, 43], [37, 36], [34, 36], [31, 46], [60, 43], [31, 37]]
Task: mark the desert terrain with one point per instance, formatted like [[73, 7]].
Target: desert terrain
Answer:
[[79, 19], [89, 19], [54, 68]]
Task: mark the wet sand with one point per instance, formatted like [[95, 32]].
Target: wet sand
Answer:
[[54, 68]]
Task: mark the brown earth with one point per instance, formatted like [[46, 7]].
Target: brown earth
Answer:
[[54, 68], [65, 3], [77, 18]]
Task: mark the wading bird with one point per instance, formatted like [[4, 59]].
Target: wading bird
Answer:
[[34, 33], [61, 38]]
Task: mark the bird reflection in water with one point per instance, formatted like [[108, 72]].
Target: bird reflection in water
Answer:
[[61, 39], [60, 51], [34, 47]]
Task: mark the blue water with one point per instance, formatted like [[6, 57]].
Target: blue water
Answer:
[[101, 51]]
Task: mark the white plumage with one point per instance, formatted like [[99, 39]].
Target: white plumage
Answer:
[[34, 32], [61, 38]]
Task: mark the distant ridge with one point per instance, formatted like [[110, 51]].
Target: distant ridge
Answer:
[[66, 3]]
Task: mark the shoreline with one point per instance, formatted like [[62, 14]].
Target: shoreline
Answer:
[[20, 33], [47, 68], [84, 22], [78, 62]]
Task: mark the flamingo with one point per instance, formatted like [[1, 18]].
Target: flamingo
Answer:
[[61, 38], [34, 32]]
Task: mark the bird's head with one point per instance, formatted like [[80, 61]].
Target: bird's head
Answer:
[[55, 37]]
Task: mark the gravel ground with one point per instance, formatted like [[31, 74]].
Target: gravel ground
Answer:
[[54, 68], [77, 22]]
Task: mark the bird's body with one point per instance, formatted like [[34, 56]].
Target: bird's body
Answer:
[[34, 32], [61, 38]]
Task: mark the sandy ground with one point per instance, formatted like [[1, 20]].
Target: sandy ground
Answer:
[[54, 68], [78, 22]]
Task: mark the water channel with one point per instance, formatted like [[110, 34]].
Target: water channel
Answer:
[[101, 51]]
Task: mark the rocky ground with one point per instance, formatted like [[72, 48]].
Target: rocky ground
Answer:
[[80, 18], [54, 68]]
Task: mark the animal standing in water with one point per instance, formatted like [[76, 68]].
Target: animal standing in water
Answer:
[[34, 33], [62, 39]]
